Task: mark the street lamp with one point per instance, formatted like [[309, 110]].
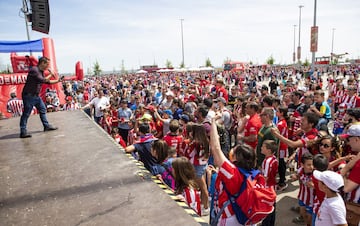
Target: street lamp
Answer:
[[299, 47], [25, 11], [332, 45], [294, 57], [182, 42], [332, 41]]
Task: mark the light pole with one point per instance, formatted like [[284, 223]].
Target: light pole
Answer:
[[294, 53], [332, 45], [25, 11], [316, 37], [182, 43], [299, 46]]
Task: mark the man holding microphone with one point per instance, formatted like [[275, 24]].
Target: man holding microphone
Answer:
[[30, 95]]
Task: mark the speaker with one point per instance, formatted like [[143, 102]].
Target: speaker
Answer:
[[40, 15]]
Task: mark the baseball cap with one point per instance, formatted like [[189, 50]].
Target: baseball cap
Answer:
[[339, 77], [168, 112], [146, 117], [192, 97], [264, 87], [169, 93], [302, 88], [220, 99], [185, 118], [353, 131], [151, 108], [332, 180]]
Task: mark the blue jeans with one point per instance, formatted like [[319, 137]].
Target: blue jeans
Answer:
[[29, 102]]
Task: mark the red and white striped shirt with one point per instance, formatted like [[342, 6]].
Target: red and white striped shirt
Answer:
[[349, 101], [339, 96], [269, 169], [194, 152], [306, 194], [354, 177], [192, 198], [333, 89], [71, 106], [106, 123], [319, 196], [15, 107], [311, 135], [283, 128]]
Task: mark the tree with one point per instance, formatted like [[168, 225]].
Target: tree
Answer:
[[306, 63], [182, 65], [270, 60], [208, 63], [96, 68], [168, 64]]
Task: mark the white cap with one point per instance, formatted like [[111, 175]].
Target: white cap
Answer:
[[169, 93], [332, 180]]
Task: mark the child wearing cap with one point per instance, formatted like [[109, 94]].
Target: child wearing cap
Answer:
[[165, 119], [332, 210]]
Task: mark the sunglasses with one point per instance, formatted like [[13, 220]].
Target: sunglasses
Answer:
[[324, 145]]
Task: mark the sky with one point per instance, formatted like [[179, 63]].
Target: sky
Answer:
[[140, 32]]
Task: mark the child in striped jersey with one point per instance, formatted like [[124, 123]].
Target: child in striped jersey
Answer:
[[269, 168], [186, 186], [306, 191]]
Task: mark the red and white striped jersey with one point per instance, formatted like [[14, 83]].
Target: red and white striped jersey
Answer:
[[283, 128], [306, 194], [269, 169], [71, 106], [339, 96], [311, 135], [194, 152], [15, 107], [192, 198], [106, 123], [333, 89], [354, 196], [349, 101], [319, 195]]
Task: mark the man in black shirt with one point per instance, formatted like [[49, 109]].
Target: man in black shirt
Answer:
[[30, 96], [273, 84]]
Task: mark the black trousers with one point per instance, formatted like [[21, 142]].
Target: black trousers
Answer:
[[270, 219], [282, 171]]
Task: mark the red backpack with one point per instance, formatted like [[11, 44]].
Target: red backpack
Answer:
[[253, 202]]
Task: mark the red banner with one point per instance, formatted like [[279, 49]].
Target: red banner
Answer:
[[314, 39], [14, 83]]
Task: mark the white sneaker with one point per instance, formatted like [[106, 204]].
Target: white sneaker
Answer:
[[205, 212]]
